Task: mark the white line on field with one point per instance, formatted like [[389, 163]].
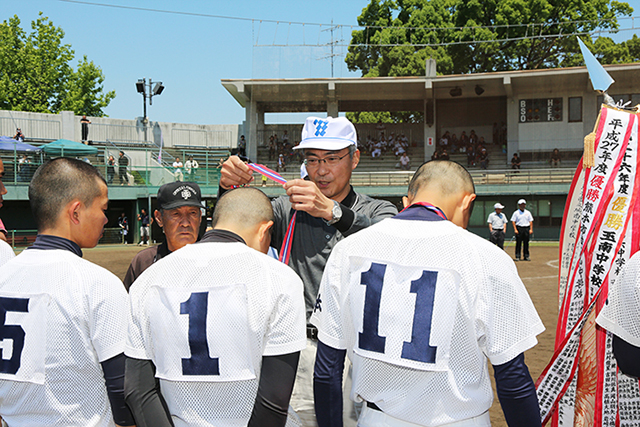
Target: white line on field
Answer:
[[539, 277], [553, 263]]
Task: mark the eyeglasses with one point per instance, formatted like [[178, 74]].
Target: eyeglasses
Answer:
[[330, 160]]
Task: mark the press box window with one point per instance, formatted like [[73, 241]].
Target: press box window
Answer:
[[575, 109]]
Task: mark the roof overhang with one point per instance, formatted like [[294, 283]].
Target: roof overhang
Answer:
[[410, 93]]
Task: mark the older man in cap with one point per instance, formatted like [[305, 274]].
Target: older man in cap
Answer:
[[522, 221], [179, 216], [327, 210], [497, 225]]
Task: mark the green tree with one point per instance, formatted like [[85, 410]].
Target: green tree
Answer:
[[36, 75], [466, 36]]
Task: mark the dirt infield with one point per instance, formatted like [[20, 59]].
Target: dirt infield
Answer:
[[538, 275]]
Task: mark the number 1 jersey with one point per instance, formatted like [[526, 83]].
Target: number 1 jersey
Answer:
[[206, 315]]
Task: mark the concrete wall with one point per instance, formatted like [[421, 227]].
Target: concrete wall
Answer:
[[40, 127]]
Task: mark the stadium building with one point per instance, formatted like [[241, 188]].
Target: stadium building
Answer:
[[526, 112]]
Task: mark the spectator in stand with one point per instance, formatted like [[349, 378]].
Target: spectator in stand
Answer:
[[123, 162], [473, 138], [191, 167], [444, 155], [515, 161], [405, 162], [464, 139], [19, 136], [555, 158], [436, 154], [471, 155], [444, 140], [282, 164], [85, 128], [483, 157], [242, 147], [123, 223], [455, 144], [272, 148], [177, 173], [111, 170]]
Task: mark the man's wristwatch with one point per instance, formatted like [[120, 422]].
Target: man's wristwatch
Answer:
[[336, 213]]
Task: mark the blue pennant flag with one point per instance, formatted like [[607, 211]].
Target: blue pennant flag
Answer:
[[600, 79]]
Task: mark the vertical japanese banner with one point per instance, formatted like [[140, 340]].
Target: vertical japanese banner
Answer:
[[581, 385]]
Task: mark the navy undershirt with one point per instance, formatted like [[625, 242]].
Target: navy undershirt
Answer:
[[514, 385], [49, 242]]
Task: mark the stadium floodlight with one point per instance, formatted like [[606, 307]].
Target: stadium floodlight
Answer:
[[158, 88], [140, 85]]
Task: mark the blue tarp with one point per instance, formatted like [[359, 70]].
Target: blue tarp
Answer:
[[64, 147], [10, 144]]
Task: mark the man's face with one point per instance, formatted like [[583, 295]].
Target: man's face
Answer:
[[3, 190], [332, 180], [522, 206], [180, 225], [92, 219], [498, 211]]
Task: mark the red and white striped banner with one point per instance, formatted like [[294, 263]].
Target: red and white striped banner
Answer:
[[581, 385]]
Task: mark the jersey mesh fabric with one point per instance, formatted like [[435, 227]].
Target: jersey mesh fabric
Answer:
[[6, 253], [621, 313], [274, 323], [84, 324], [488, 314]]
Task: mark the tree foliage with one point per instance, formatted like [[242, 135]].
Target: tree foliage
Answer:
[[467, 36], [36, 75]]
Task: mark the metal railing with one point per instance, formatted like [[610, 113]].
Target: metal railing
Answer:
[[146, 171], [202, 138], [32, 129]]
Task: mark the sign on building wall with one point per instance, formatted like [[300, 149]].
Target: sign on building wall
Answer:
[[540, 110]]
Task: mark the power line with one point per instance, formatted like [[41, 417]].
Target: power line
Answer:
[[599, 21]]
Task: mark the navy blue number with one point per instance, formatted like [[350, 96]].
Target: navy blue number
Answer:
[[373, 279], [199, 363], [418, 348], [425, 289], [12, 332]]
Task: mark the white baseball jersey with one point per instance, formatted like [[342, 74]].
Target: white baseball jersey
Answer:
[[621, 313], [62, 316], [206, 315], [6, 252], [420, 306]]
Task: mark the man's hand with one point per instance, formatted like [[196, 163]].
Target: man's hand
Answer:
[[306, 196], [234, 172]]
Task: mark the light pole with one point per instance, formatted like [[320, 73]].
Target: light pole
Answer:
[[144, 88]]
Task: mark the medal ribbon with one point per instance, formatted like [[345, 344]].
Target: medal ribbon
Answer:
[[285, 250]]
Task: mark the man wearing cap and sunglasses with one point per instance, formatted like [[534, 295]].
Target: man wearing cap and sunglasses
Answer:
[[522, 221], [327, 210], [497, 225], [179, 216]]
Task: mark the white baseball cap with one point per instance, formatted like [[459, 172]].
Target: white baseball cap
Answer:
[[327, 134], [498, 206], [522, 202]]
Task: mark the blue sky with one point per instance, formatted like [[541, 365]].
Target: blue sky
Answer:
[[191, 54]]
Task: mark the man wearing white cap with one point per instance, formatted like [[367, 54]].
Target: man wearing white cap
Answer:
[[327, 211], [522, 221], [497, 225]]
